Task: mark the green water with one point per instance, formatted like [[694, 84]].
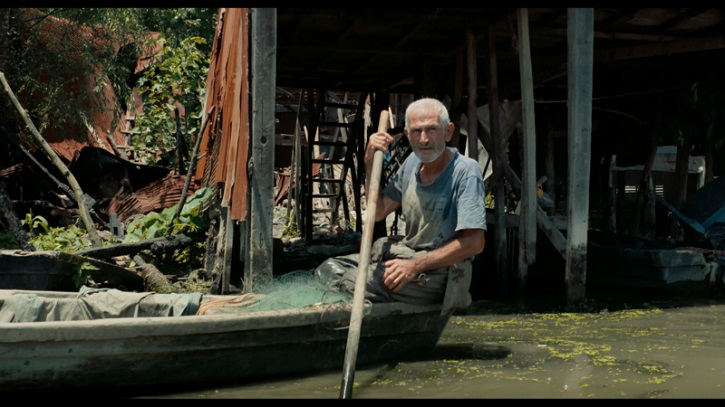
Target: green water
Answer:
[[642, 352]]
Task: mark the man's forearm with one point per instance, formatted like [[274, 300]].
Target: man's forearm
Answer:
[[468, 243]]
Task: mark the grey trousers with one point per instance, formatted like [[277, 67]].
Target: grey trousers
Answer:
[[429, 288]]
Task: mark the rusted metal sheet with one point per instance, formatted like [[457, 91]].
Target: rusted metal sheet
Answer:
[[225, 144], [155, 196]]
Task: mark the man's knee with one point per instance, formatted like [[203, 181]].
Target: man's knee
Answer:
[[458, 285]]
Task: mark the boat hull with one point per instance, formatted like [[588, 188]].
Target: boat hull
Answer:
[[208, 348]]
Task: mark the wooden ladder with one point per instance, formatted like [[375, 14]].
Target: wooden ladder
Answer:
[[334, 150]]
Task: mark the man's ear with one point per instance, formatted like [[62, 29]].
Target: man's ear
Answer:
[[449, 131]]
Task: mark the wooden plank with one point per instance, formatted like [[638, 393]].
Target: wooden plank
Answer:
[[527, 228], [580, 89], [264, 39]]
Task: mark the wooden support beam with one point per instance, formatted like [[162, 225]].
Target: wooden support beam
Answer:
[[580, 68], [527, 226], [499, 192], [261, 166], [472, 94]]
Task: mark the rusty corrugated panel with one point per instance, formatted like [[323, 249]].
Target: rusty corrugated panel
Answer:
[[228, 90], [209, 147], [155, 196]]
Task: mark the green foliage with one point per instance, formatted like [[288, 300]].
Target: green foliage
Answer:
[[290, 227], [177, 24], [62, 239], [178, 77], [82, 274], [159, 224], [35, 222]]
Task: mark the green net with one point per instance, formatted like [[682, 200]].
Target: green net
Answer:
[[296, 289]]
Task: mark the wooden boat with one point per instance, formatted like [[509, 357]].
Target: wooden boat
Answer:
[[55, 271], [626, 266], [695, 266], [216, 347]]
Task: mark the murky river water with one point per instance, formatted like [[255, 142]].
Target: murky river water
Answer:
[[646, 351]]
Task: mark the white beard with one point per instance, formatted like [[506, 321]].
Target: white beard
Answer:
[[428, 156]]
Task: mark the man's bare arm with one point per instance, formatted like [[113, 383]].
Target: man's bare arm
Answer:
[[467, 243], [400, 272]]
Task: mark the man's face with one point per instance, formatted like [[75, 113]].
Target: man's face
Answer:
[[426, 136]]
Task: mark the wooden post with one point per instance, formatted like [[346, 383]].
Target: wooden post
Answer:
[[527, 219], [472, 95], [580, 66], [643, 190], [502, 261], [682, 162], [456, 102], [550, 187], [264, 69]]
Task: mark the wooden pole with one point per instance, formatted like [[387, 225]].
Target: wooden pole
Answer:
[[581, 47], [353, 335], [472, 95], [261, 187], [499, 190], [527, 226]]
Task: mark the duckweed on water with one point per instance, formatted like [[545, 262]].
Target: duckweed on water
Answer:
[[578, 340]]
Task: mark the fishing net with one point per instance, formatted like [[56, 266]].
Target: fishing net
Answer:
[[296, 289]]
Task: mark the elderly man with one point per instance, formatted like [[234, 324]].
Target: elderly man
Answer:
[[442, 197]]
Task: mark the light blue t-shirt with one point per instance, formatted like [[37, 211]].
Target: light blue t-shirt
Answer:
[[456, 200]]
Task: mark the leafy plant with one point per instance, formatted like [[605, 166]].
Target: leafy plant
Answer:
[[62, 239], [290, 227], [159, 224], [176, 79], [35, 222], [82, 274]]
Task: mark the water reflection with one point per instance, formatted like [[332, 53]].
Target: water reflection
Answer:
[[646, 352]]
